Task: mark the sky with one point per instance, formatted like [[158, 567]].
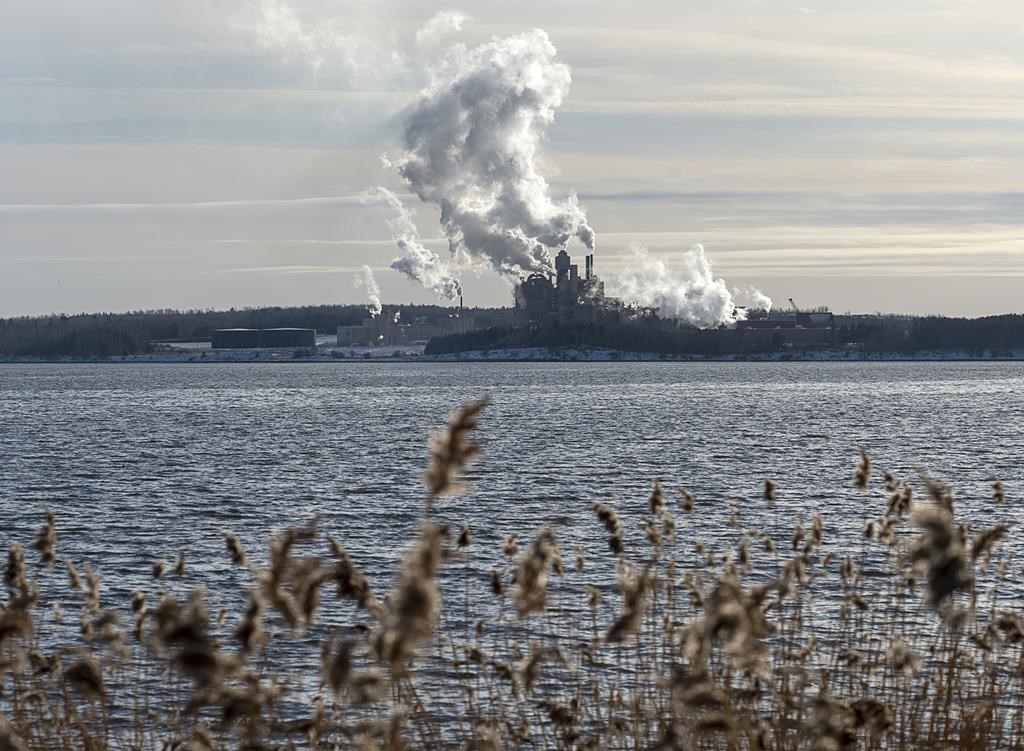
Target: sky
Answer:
[[187, 154]]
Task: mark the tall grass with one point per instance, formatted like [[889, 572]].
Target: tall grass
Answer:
[[909, 642]]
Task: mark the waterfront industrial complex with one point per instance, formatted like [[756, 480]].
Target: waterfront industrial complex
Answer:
[[564, 300]]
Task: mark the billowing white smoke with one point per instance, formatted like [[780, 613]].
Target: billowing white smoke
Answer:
[[690, 293], [367, 281], [754, 297], [471, 143], [437, 28], [417, 261]]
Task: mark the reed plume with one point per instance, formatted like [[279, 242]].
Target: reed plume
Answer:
[[530, 591], [412, 609], [862, 472], [451, 451], [938, 553], [714, 643], [45, 542]]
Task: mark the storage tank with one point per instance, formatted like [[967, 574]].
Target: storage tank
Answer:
[[263, 338], [235, 339], [274, 338]]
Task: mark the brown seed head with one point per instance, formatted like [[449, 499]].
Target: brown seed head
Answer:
[[234, 549], [9, 738], [413, 607], [496, 587], [45, 542], [350, 581], [998, 494], [612, 525], [530, 591], [656, 503], [510, 548], [862, 472], [985, 541], [938, 552], [336, 662], [451, 451], [86, 678], [634, 587], [14, 572]]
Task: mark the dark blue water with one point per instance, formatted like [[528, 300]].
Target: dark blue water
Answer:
[[140, 462]]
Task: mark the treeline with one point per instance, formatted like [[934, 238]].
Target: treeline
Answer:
[[628, 337], [110, 334], [994, 334], [973, 335]]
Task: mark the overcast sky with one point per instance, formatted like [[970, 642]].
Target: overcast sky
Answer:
[[185, 153]]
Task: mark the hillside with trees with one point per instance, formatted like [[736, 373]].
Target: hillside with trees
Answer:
[[997, 335], [89, 335], [112, 334]]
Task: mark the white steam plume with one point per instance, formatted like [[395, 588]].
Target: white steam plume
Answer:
[[367, 280], [757, 298], [437, 28], [691, 294], [471, 143], [417, 261], [349, 51], [339, 49]]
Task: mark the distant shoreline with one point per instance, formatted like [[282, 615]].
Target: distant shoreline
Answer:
[[557, 354]]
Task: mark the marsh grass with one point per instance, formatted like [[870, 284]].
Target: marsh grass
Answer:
[[910, 642]]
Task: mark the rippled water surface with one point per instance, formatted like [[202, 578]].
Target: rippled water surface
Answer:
[[142, 461]]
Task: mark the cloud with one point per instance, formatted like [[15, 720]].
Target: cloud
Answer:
[[340, 200]]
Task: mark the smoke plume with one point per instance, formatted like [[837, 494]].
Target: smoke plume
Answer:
[[471, 143], [755, 297], [438, 27], [417, 261], [367, 280], [691, 293]]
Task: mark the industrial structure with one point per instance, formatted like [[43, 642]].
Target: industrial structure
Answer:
[[569, 298], [385, 330], [263, 338], [792, 327]]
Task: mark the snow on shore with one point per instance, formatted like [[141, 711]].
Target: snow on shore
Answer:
[[530, 354]]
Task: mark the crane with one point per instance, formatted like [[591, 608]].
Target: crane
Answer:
[[795, 308]]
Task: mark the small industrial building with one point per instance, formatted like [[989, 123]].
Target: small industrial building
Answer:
[[385, 330], [263, 338], [797, 328]]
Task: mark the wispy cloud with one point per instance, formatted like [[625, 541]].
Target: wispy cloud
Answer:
[[300, 269], [339, 200]]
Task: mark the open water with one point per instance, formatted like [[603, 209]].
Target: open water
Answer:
[[140, 462]]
